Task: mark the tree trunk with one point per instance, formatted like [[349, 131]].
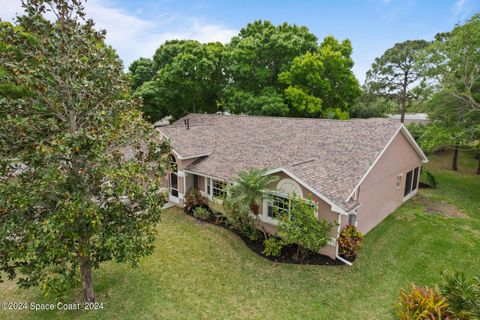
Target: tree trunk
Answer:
[[255, 208], [478, 168], [87, 279], [297, 254], [403, 104], [455, 158]]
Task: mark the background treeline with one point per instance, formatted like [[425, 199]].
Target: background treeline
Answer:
[[264, 70]]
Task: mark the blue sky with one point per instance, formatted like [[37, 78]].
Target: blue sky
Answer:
[[137, 28]]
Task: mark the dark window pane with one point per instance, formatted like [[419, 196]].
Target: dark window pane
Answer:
[[174, 181], [174, 192], [270, 212], [173, 163], [276, 205], [351, 219], [415, 178], [195, 181], [218, 188], [408, 183]]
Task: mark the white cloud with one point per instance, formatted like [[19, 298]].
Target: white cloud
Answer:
[[134, 37], [461, 10], [9, 9], [458, 6]]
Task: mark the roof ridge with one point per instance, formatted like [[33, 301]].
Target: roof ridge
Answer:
[[289, 118]]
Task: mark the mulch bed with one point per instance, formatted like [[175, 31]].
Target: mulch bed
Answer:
[[287, 254]]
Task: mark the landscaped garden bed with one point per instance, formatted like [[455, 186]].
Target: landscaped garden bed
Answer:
[[287, 253]]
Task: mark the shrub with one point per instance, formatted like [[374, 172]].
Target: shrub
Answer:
[[239, 218], [422, 303], [301, 226], [201, 213], [416, 130], [429, 179], [349, 241], [462, 294], [216, 205], [193, 199], [273, 246], [164, 195]]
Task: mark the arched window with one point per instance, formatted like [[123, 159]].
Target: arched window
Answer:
[[173, 163], [288, 187]]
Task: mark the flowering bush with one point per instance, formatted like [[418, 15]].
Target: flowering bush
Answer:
[[349, 241]]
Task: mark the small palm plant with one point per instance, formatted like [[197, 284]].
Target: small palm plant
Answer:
[[246, 193]]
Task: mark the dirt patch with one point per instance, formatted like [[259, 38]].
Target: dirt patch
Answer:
[[439, 207], [404, 218]]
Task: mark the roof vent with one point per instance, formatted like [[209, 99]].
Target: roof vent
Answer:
[[187, 123]]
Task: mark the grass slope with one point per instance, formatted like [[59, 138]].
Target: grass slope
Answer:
[[200, 271]]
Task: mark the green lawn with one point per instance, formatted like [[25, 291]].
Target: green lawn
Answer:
[[201, 271]]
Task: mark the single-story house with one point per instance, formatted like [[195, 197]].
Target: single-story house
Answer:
[[356, 171]]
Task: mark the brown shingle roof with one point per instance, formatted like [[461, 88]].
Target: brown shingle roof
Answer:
[[331, 156]]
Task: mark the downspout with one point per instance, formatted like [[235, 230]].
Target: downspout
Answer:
[[336, 242]]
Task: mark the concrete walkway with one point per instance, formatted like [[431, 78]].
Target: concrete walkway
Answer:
[[168, 205]]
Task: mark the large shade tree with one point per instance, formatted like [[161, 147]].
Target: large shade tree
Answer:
[[79, 167], [452, 61], [183, 76], [396, 73], [322, 83], [254, 59]]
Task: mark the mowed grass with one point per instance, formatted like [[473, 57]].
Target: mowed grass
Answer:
[[200, 271]]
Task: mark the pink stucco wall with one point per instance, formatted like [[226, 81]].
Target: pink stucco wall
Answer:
[[378, 193], [324, 213]]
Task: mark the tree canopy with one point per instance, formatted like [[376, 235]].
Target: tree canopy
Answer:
[[452, 63], [79, 167], [396, 73], [183, 76], [262, 71], [322, 83]]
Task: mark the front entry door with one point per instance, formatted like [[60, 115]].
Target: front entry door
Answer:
[[173, 188]]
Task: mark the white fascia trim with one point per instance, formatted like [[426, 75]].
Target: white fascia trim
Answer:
[[353, 211], [412, 142], [334, 207], [178, 155], [415, 144], [204, 175]]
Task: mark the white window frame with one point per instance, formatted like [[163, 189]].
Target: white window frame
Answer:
[[399, 181], [209, 182], [272, 221], [412, 192]]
